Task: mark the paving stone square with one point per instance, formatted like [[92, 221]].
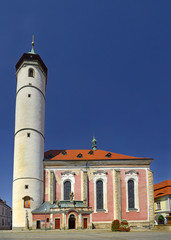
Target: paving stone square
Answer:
[[85, 234]]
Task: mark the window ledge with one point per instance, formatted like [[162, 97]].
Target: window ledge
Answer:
[[132, 209], [100, 210]]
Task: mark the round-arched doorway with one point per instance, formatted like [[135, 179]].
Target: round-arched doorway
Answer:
[[161, 219], [72, 221]]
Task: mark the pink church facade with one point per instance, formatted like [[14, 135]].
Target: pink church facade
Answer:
[[90, 188]]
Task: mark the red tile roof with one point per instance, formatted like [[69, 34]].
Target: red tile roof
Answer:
[[80, 154], [162, 188]]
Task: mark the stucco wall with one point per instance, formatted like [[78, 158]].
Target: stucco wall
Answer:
[[109, 212], [142, 214]]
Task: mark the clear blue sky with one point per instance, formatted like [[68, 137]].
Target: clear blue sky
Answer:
[[109, 74]]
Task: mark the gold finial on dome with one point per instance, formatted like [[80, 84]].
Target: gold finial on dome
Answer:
[[32, 50], [33, 40]]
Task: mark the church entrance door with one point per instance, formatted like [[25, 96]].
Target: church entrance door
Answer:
[[72, 221], [57, 223], [85, 223]]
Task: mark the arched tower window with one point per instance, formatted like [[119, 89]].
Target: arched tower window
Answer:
[[27, 202], [131, 194], [31, 72], [99, 194], [67, 190]]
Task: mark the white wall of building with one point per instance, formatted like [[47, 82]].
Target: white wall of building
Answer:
[[29, 142]]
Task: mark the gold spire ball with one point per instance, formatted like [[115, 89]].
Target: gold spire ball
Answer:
[[33, 40], [32, 50]]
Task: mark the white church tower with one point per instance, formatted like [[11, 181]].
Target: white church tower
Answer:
[[31, 75]]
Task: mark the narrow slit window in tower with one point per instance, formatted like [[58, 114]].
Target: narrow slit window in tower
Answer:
[[31, 72], [29, 95], [28, 134]]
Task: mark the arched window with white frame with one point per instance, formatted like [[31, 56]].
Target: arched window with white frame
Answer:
[[67, 184], [99, 194], [100, 191], [131, 196], [67, 190], [132, 200]]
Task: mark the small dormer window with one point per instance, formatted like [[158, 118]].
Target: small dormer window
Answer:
[[79, 155], [91, 152], [64, 152], [31, 72], [50, 155], [108, 154]]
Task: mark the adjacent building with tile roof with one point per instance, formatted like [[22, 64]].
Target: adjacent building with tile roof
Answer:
[[70, 189], [162, 201]]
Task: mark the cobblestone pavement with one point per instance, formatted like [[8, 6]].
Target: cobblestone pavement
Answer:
[[84, 234]]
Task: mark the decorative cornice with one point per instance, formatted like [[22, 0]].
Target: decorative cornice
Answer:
[[102, 162], [67, 172], [131, 172], [100, 172]]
